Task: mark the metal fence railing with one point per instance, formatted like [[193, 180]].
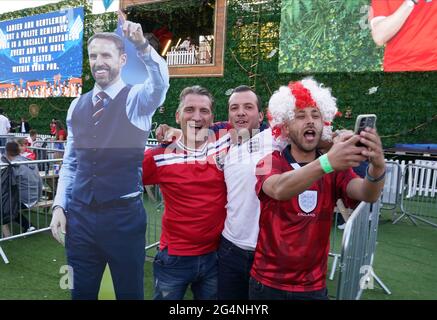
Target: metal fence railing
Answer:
[[27, 194], [390, 200], [390, 197], [419, 193], [154, 215], [358, 251]]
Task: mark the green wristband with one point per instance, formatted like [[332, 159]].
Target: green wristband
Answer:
[[325, 164]]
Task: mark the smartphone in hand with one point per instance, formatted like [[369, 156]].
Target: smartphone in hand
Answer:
[[363, 121]]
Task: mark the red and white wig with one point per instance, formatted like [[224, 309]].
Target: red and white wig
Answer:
[[300, 95]]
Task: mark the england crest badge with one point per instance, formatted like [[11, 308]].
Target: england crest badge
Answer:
[[219, 159], [253, 145], [308, 201]]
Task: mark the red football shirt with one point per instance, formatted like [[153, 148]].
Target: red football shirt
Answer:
[[194, 191], [414, 47], [293, 242]]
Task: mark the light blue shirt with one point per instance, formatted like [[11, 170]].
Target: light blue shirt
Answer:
[[142, 101]]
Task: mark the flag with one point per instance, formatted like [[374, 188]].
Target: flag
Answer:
[[134, 71], [107, 3]]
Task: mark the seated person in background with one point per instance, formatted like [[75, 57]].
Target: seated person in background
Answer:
[[32, 137], [28, 180], [60, 135], [24, 151], [60, 139], [53, 127]]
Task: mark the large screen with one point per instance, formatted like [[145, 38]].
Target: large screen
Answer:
[[41, 55], [358, 36]]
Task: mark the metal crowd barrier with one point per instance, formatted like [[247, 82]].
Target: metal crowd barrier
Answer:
[[40, 136], [419, 193], [26, 201], [358, 251], [154, 222], [154, 216], [390, 200], [390, 196], [334, 248]]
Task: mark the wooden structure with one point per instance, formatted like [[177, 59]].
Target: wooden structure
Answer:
[[214, 69]]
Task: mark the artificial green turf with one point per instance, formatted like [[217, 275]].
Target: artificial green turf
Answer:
[[406, 261]]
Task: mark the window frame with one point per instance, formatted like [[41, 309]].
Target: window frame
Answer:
[[215, 69]]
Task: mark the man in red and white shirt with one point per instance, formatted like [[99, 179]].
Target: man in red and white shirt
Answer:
[[408, 28], [189, 173], [298, 189], [24, 151]]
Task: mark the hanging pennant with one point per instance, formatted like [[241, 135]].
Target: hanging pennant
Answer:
[[107, 3], [105, 6]]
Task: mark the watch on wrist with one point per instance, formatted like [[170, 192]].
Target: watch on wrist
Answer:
[[372, 179], [57, 206]]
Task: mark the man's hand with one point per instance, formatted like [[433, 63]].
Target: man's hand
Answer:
[[167, 134], [58, 224], [336, 136], [134, 33], [325, 145], [344, 154], [370, 138]]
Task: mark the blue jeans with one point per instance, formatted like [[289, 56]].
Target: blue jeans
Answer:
[[234, 265], [258, 291], [173, 274]]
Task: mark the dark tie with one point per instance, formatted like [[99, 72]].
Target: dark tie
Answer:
[[99, 106]]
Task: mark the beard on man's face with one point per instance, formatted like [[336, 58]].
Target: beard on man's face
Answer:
[[104, 75], [307, 140]]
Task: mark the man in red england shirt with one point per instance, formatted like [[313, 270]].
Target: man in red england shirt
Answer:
[[191, 179], [408, 28], [298, 189]]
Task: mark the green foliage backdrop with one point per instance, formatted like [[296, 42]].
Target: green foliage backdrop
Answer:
[[403, 101], [327, 36]]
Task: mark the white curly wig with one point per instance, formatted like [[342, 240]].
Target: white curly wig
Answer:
[[283, 103]]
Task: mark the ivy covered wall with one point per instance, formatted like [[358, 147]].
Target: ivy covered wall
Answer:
[[405, 103]]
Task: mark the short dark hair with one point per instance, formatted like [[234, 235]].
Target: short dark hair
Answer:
[[201, 91], [111, 36], [59, 125], [244, 88], [12, 149]]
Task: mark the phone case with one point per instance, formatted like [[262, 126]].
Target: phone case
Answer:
[[363, 121]]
